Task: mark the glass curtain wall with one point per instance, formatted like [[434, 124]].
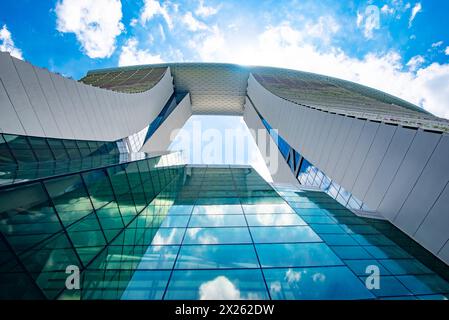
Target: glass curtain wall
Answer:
[[49, 224]]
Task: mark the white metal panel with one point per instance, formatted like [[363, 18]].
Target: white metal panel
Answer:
[[359, 154], [324, 139], [348, 150], [433, 232], [30, 123], [373, 160], [106, 115], [283, 173], [307, 114], [308, 142], [341, 137], [444, 253], [416, 158], [88, 110], [291, 123], [94, 106], [330, 145], [297, 136], [81, 112], [18, 96], [13, 83], [160, 140], [9, 121], [52, 98], [315, 137], [76, 112], [393, 158], [36, 98], [63, 117], [429, 186]]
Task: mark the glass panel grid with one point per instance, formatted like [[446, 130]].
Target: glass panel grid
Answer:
[[175, 240]]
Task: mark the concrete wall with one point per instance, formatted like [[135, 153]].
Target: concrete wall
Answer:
[[401, 173], [160, 140], [36, 102]]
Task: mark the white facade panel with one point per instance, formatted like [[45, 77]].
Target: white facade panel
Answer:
[[283, 173], [329, 147], [342, 162], [444, 253], [324, 140], [36, 98], [429, 186], [52, 98], [414, 162], [63, 116], [373, 159], [161, 139], [390, 164], [13, 83], [9, 121], [358, 157], [47, 105], [433, 232]]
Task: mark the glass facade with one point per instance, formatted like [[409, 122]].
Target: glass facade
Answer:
[[17, 149], [148, 230]]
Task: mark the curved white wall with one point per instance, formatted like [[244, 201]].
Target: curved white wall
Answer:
[[280, 172], [160, 140], [36, 102], [401, 173]]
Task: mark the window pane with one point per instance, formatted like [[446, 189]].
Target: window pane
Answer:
[[217, 257], [284, 234], [336, 283], [217, 236], [292, 255], [217, 285]]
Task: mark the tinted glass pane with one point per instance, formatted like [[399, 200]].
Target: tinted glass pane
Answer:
[[217, 257], [217, 285], [315, 284], [217, 236], [217, 221], [284, 234], [292, 255]]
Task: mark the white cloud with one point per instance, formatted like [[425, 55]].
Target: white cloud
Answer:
[[359, 19], [152, 8], [285, 46], [387, 10], [192, 23], [292, 276], [162, 32], [7, 44], [131, 55], [96, 24], [437, 44], [221, 288], [368, 21], [208, 44], [324, 29], [416, 9], [205, 11], [415, 62], [447, 51]]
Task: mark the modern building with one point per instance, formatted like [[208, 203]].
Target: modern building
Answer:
[[93, 206]]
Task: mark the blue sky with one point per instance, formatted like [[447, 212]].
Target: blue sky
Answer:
[[406, 53], [398, 46]]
